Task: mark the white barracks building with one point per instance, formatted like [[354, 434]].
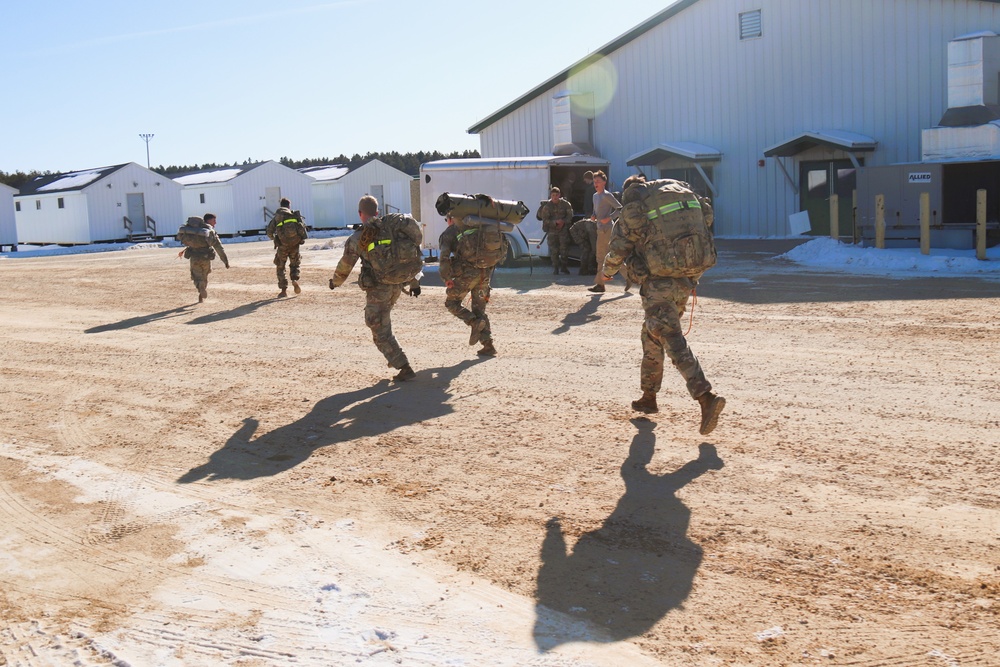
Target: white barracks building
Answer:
[[769, 106]]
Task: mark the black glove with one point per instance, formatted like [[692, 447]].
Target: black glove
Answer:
[[415, 290], [332, 286]]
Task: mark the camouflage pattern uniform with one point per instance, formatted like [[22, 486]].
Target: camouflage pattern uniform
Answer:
[[558, 236], [201, 263], [379, 299], [285, 251], [664, 301], [467, 278], [584, 234]]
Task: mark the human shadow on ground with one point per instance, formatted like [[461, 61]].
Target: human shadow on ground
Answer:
[[362, 413], [232, 313], [622, 578], [140, 320], [584, 314]]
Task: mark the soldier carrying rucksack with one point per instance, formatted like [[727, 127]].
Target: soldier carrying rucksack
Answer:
[[201, 242], [471, 247], [664, 236], [288, 231], [391, 263]]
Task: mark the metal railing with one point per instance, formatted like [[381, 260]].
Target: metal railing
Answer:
[[150, 226], [128, 227]]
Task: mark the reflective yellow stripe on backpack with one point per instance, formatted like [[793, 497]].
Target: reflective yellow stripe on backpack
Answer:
[[382, 242], [670, 208], [287, 220]]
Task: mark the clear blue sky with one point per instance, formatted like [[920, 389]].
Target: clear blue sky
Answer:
[[226, 80]]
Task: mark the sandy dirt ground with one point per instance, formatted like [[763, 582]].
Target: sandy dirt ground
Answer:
[[238, 483]]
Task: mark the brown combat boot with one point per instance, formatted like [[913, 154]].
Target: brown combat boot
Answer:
[[477, 325], [488, 350], [202, 295], [295, 286], [405, 373], [647, 403], [711, 407], [283, 293]]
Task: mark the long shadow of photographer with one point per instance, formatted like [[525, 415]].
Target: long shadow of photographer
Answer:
[[140, 320], [362, 413], [622, 578]]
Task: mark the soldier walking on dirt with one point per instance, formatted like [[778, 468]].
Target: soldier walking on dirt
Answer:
[[202, 243], [466, 267], [556, 215], [288, 231], [380, 296], [664, 297]]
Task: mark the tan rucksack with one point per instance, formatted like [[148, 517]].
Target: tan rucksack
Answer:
[[388, 245], [678, 241], [482, 242], [195, 233]]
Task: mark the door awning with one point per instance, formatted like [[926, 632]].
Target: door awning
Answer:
[[688, 151], [685, 150], [851, 142]]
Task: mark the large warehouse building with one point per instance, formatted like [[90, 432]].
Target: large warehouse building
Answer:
[[770, 106]]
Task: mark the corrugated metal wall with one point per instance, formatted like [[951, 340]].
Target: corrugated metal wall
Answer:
[[875, 67], [218, 200], [40, 219]]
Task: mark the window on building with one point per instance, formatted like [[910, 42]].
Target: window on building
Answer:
[[750, 25], [61, 203], [201, 197], [38, 204], [17, 206]]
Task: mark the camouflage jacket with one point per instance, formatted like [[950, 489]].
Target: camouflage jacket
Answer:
[[549, 213]]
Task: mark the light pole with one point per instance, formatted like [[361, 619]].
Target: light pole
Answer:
[[147, 138]]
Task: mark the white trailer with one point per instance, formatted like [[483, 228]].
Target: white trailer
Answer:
[[526, 179]]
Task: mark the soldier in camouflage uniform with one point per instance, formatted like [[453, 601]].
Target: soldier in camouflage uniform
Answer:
[[286, 245], [584, 234], [664, 301], [379, 297], [201, 258], [556, 215], [460, 278]]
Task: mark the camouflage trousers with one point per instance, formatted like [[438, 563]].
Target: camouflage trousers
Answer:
[[468, 279], [664, 301], [291, 254], [200, 268], [559, 241], [603, 241], [379, 301]]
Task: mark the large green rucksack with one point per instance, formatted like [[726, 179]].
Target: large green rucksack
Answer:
[[292, 230], [195, 233], [391, 246], [482, 242], [675, 223]]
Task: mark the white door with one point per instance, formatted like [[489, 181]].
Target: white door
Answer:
[[271, 198], [136, 211], [378, 192]]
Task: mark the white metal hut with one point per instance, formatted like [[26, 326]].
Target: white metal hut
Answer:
[[8, 228], [244, 198], [124, 202], [336, 191]]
